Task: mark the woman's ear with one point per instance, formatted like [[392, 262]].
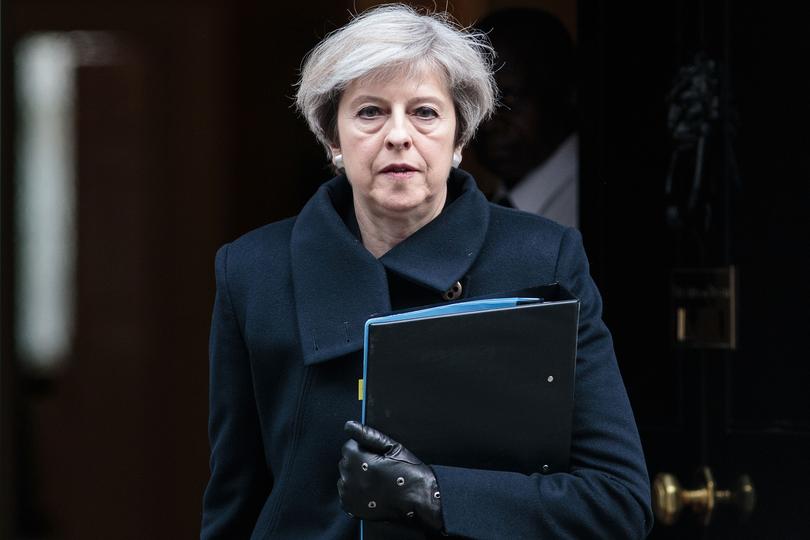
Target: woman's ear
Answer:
[[456, 157], [337, 157]]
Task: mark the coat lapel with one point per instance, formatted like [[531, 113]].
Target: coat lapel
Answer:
[[442, 252], [338, 284]]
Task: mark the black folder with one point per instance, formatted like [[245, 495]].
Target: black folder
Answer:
[[484, 384]]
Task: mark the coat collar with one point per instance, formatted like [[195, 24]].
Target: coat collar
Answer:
[[337, 282]]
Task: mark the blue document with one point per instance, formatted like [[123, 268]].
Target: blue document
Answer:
[[436, 311], [441, 379]]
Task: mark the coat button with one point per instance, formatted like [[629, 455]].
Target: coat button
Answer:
[[453, 292]]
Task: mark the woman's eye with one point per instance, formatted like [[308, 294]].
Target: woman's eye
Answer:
[[425, 113], [369, 112]]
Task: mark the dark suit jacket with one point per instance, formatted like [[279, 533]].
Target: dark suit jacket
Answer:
[[285, 358]]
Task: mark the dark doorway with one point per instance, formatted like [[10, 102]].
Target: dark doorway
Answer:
[[741, 408], [176, 115]]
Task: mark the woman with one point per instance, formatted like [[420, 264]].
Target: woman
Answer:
[[394, 96]]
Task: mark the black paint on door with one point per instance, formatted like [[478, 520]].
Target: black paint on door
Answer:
[[736, 411]]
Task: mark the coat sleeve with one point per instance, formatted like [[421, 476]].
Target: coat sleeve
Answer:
[[239, 481], [606, 493]]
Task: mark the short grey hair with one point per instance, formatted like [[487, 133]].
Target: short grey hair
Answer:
[[387, 40]]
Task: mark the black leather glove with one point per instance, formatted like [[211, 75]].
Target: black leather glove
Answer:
[[381, 480]]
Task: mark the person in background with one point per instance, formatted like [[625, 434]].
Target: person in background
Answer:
[[394, 96], [531, 144]]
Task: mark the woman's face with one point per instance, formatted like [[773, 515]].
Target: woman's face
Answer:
[[397, 140]]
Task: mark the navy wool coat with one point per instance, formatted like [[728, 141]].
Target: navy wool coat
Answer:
[[285, 357]]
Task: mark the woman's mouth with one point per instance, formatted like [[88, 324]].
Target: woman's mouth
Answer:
[[398, 170]]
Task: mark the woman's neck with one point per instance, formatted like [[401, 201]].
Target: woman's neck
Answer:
[[380, 233]]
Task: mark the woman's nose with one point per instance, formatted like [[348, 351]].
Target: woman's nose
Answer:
[[398, 136]]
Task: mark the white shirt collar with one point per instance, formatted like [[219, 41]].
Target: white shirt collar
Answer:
[[550, 189]]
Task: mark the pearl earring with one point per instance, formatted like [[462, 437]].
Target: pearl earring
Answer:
[[337, 161], [456, 159]]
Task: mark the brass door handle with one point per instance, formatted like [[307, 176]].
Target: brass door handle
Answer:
[[669, 498]]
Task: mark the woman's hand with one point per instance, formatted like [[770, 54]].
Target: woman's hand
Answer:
[[381, 480]]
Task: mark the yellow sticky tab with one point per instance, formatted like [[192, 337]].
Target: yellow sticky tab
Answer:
[[359, 389]]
